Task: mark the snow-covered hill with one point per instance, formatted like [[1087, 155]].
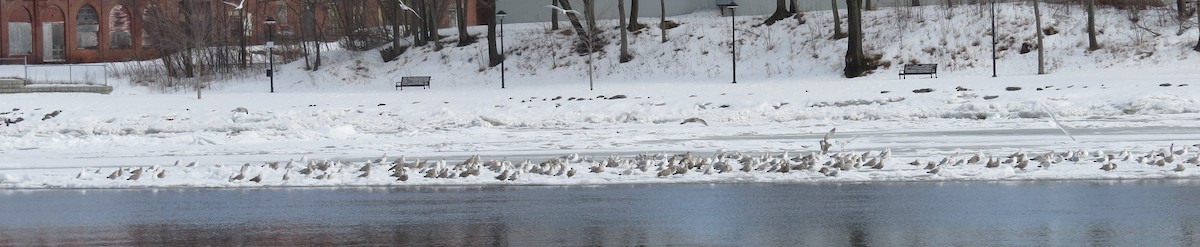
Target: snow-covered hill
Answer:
[[698, 51], [1137, 95]]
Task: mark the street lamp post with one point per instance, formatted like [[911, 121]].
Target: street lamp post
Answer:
[[733, 35], [271, 50], [994, 38], [503, 56]]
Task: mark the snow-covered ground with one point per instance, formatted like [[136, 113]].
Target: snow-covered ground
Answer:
[[1134, 98]]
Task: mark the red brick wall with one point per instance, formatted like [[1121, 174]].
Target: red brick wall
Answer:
[[66, 11]]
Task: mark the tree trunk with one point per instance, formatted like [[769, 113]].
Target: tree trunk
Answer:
[[837, 22], [418, 26], [589, 7], [1037, 16], [1182, 7], [625, 57], [916, 3], [799, 14], [395, 13], [1091, 26], [633, 16], [431, 25], [662, 23], [494, 57], [554, 16], [575, 20], [781, 12], [317, 36], [243, 54], [565, 4], [1197, 14], [465, 38], [856, 61], [868, 5]]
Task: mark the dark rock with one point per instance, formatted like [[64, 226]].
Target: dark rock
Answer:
[[990, 97], [619, 96], [879, 92], [923, 90], [1164, 85], [1013, 88]]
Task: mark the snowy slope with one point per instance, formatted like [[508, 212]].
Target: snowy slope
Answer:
[[1111, 100]]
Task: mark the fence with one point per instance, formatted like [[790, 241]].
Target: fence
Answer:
[[14, 67], [90, 74]]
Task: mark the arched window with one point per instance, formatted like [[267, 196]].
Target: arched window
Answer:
[[119, 35], [20, 32], [87, 28]]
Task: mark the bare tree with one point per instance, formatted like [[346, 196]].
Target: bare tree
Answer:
[[633, 16], [494, 57], [433, 17], [194, 39], [625, 56], [1037, 16], [662, 23], [393, 11], [797, 12], [837, 22], [313, 34], [465, 38], [357, 34], [856, 61], [916, 3], [1181, 6], [781, 12], [589, 8], [1091, 26], [243, 53], [554, 16], [575, 23]]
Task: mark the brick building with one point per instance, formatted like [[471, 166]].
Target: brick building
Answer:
[[84, 31]]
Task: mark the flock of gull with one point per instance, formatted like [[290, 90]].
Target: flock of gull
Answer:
[[816, 163]]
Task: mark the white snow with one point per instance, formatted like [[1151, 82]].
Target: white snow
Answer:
[[1138, 94]]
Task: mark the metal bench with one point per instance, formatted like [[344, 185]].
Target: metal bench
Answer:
[[919, 69], [413, 81]]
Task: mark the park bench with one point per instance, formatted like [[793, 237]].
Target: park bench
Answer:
[[413, 81], [919, 69]]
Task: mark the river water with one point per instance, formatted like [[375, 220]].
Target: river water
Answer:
[[1038, 213]]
